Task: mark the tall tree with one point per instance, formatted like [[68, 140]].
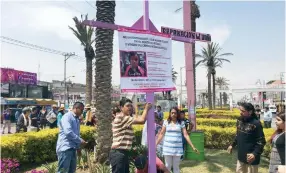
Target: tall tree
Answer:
[[84, 34], [210, 58], [222, 83], [195, 14], [103, 87]]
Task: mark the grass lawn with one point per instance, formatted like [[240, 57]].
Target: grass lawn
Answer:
[[217, 161]]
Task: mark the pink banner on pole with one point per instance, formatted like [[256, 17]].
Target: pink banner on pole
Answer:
[[18, 77]]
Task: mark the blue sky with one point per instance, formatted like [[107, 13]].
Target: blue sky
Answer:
[[253, 31]]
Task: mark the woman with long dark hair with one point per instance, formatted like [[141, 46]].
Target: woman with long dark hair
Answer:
[[173, 129], [277, 156]]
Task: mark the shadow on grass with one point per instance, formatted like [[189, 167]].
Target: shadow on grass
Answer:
[[217, 161]]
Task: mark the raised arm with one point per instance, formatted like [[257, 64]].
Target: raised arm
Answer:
[[141, 119]]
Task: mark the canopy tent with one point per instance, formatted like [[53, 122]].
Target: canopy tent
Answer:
[[26, 101]]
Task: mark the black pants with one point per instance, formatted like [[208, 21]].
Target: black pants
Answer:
[[53, 125], [89, 123], [267, 124], [119, 161]]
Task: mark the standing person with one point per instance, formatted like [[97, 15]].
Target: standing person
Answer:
[[277, 155], [43, 117], [60, 115], [249, 140], [69, 140], [173, 129], [257, 111], [88, 117], [267, 118], [144, 141], [159, 111], [7, 120], [17, 113], [123, 135], [34, 119], [52, 117], [23, 120]]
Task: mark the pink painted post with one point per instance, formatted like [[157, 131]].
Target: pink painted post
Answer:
[[150, 118], [189, 65]]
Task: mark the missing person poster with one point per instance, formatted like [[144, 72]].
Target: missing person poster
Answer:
[[145, 61]]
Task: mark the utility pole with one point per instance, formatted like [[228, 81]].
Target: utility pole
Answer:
[[66, 56], [181, 94]]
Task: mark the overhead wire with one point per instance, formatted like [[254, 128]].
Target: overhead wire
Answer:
[[90, 4], [72, 7], [33, 46]]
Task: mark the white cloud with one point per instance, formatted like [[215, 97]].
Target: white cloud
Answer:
[[40, 18]]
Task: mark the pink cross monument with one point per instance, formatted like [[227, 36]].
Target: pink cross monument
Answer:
[[185, 36]]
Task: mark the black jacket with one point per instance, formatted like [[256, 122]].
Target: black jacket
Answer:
[[249, 139], [280, 145]]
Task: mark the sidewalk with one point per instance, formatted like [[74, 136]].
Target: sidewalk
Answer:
[[13, 129]]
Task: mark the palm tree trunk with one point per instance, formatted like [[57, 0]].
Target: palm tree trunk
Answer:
[[213, 75], [103, 87], [88, 89], [210, 89], [203, 97], [194, 28], [220, 99]]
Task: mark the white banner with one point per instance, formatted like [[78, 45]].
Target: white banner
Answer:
[[145, 61]]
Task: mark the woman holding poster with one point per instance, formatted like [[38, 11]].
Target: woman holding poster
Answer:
[[173, 129], [123, 135]]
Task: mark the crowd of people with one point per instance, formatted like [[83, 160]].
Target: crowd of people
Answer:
[[171, 136], [35, 118]]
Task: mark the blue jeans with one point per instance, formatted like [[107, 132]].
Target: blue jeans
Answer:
[[67, 161]]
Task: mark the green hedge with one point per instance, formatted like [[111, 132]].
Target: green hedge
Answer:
[[216, 122], [37, 146], [215, 137]]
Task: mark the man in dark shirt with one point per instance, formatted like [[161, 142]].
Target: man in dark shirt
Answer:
[[249, 140]]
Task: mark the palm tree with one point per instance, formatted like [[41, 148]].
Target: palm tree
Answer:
[[84, 34], [222, 83], [103, 87], [195, 14], [211, 59]]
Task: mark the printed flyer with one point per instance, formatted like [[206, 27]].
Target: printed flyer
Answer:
[[145, 61]]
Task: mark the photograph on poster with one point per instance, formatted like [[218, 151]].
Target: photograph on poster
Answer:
[[133, 64]]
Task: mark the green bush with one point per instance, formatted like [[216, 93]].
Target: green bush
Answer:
[[216, 137], [37, 146], [216, 122]]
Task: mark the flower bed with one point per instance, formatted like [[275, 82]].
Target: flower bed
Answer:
[[37, 146]]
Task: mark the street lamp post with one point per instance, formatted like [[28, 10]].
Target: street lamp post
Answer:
[[181, 94], [67, 56]]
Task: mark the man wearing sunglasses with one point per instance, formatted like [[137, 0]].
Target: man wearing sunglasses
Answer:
[[134, 69]]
